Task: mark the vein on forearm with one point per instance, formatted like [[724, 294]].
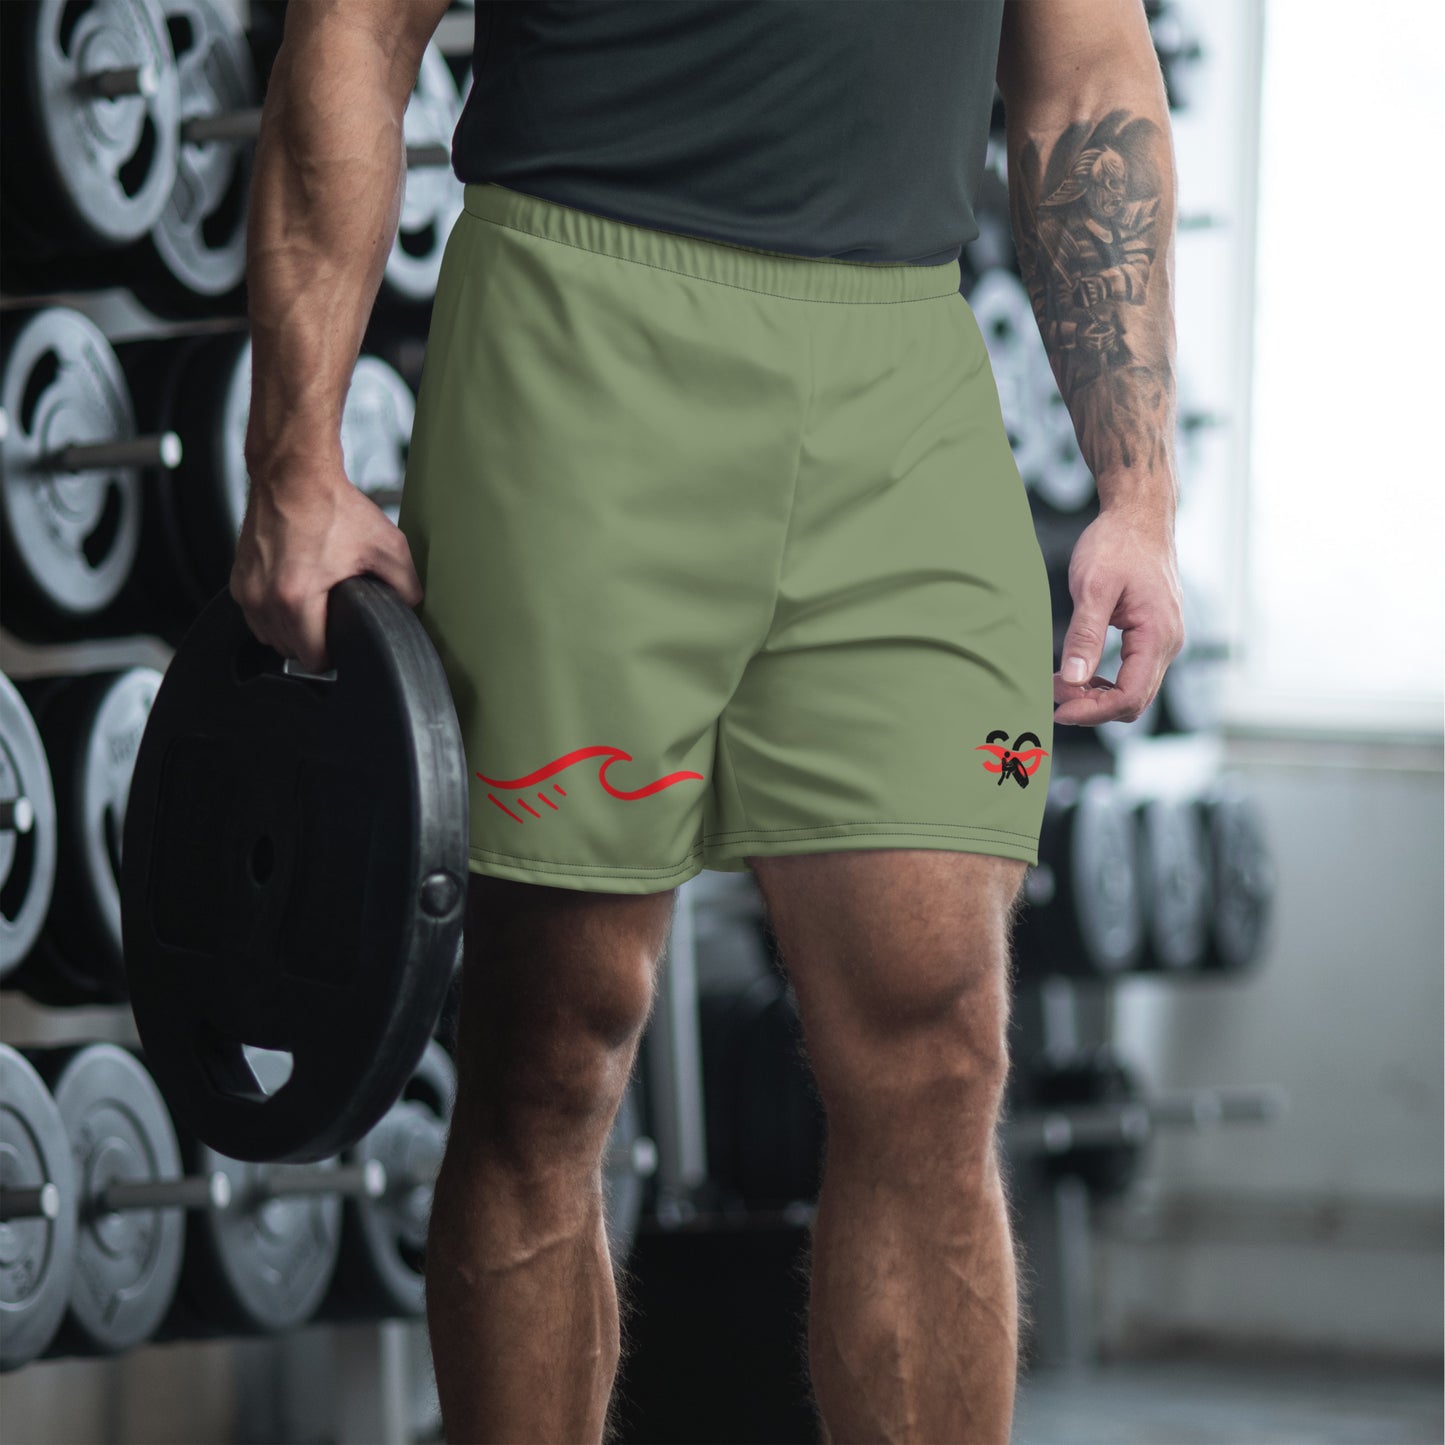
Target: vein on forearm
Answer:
[[1092, 205], [325, 202]]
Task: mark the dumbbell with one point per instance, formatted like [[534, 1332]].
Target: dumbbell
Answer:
[[1101, 1126], [134, 140], [91, 727], [128, 1197], [70, 487], [264, 1265], [89, 140], [37, 1213], [197, 246], [27, 830], [1082, 914], [1086, 1117]]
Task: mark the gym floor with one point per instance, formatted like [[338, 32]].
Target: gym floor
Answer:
[[1200, 1401]]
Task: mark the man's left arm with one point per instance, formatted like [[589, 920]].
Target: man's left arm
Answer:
[[1091, 191]]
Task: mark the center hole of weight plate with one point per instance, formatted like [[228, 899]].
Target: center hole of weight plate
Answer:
[[263, 859]]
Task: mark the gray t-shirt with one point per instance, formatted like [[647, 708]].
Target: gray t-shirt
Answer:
[[854, 129]]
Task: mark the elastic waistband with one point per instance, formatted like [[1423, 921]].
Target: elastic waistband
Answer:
[[803, 278]]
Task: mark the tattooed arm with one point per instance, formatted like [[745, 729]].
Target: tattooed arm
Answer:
[[1091, 191]]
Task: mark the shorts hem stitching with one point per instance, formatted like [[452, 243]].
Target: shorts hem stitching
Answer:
[[846, 830], [486, 855]]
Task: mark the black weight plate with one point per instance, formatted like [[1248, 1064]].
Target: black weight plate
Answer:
[[1241, 878], [380, 1272], [203, 502], [1173, 885], [126, 1264], [70, 539], [37, 1255], [27, 846], [293, 874], [98, 169], [451, 1014]]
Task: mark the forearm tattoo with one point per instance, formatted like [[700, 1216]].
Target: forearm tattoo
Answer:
[[1093, 223]]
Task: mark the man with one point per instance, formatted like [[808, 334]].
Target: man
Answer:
[[730, 566]]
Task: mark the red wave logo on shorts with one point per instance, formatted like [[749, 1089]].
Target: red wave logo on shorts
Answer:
[[567, 760], [1018, 762]]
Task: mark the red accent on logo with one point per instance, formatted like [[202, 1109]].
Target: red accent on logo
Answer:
[[567, 760], [504, 808], [1029, 761]]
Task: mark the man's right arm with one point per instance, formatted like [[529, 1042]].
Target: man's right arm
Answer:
[[326, 196]]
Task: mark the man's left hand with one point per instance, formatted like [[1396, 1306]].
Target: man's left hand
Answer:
[[1124, 574]]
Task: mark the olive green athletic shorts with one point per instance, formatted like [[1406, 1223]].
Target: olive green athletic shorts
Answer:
[[724, 552]]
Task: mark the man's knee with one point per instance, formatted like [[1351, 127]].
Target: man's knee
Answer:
[[933, 1053], [557, 988]]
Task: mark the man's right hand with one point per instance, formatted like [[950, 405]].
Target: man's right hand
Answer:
[[297, 542]]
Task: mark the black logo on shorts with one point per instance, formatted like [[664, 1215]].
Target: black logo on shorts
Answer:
[[1019, 762]]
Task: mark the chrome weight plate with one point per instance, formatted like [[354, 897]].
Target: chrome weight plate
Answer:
[[383, 1240], [1000, 304], [127, 1262], [376, 432], [37, 1239], [200, 236], [71, 538], [27, 830], [103, 97], [433, 198]]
